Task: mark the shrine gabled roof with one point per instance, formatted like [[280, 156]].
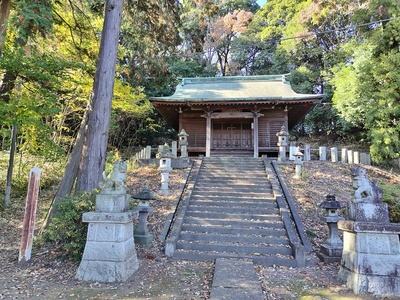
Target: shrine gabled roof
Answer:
[[235, 88]]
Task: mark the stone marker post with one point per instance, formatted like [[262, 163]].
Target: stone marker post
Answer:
[[350, 157], [183, 142], [322, 153], [371, 248], [174, 149], [331, 249], [165, 168], [344, 155], [28, 226], [110, 254], [292, 150], [334, 154], [356, 155], [282, 143], [307, 152]]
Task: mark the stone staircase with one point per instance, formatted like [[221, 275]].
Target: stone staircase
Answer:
[[231, 212]]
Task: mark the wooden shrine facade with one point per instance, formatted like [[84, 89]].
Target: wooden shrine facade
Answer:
[[234, 113]]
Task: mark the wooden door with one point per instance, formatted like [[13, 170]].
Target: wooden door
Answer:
[[232, 135]]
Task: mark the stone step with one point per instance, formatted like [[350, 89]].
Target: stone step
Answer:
[[248, 169], [234, 184], [262, 260], [265, 197], [230, 194], [246, 239], [218, 229], [234, 223], [235, 248], [234, 203], [232, 216], [234, 210]]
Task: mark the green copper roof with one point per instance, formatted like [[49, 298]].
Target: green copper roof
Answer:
[[266, 87]]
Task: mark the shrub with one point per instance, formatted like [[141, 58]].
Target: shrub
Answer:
[[66, 231], [391, 195]]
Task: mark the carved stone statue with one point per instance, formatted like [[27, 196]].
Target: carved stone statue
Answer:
[[114, 183], [365, 190]]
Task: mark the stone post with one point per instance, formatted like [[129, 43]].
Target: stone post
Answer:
[[322, 153], [371, 248], [110, 254], [142, 234], [356, 156], [148, 152], [298, 161], [365, 158], [350, 157], [292, 150], [174, 149], [344, 155], [165, 168], [334, 154], [331, 249], [307, 153], [282, 143], [183, 143]]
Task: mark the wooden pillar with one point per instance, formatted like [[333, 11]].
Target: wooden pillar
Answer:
[[28, 226], [255, 133], [208, 134]]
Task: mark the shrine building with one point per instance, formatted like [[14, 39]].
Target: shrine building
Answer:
[[241, 113]]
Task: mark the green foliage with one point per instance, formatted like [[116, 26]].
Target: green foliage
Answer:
[[391, 196], [51, 172], [67, 232]]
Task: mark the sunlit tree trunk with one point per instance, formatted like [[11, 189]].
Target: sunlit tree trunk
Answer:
[[4, 14], [95, 146]]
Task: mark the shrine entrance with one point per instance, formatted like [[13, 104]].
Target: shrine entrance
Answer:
[[232, 134]]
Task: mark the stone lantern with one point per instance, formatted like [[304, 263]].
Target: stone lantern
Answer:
[[183, 143], [298, 161], [165, 156], [142, 234], [282, 143], [331, 249]]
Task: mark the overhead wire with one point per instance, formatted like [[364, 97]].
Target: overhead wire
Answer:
[[340, 29]]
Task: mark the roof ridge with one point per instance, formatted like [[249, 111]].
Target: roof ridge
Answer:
[[194, 80]]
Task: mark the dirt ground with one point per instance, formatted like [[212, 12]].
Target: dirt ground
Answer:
[[48, 276]]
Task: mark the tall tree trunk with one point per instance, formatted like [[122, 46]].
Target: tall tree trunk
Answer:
[[95, 146], [10, 165], [4, 14], [71, 170]]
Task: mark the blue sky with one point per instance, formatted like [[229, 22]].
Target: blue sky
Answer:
[[261, 2]]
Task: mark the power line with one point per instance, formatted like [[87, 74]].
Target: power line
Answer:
[[339, 29]]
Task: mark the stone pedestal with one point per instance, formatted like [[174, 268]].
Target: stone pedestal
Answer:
[[142, 234], [371, 247], [371, 257], [331, 249], [110, 254]]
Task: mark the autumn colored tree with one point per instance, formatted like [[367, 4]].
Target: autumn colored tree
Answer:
[[223, 30]]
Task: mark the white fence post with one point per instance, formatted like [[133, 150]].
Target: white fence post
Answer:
[[148, 152], [356, 156], [307, 152], [350, 157], [322, 153], [334, 154], [344, 155]]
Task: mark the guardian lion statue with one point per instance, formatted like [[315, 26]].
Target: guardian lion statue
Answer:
[[114, 183], [365, 190]]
